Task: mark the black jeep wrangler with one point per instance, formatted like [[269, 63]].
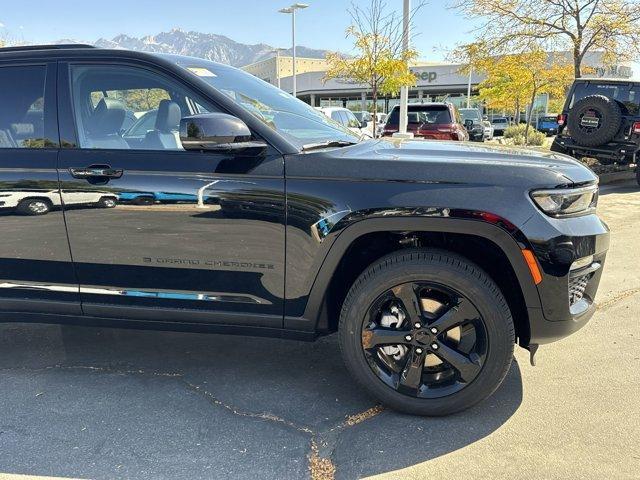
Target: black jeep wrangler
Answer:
[[601, 120], [264, 217]]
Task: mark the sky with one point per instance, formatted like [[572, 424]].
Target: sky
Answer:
[[322, 25]]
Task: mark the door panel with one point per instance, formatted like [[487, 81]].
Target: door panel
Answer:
[[36, 273], [185, 232], [157, 232]]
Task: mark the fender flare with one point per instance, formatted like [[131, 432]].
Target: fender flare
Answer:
[[500, 237]]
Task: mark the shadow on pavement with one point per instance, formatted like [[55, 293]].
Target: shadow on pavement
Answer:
[[626, 186], [114, 403]]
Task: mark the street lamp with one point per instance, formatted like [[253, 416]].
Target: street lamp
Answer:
[[292, 10]]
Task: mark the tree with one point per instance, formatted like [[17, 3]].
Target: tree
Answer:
[[379, 61], [517, 79], [611, 27]]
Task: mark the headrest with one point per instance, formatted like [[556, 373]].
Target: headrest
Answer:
[[169, 116], [107, 118]]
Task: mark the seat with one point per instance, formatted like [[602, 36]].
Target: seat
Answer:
[[104, 126], [165, 134]]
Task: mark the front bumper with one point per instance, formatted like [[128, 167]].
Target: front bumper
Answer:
[[572, 260]]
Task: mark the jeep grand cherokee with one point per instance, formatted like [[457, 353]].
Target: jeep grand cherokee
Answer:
[[430, 259]]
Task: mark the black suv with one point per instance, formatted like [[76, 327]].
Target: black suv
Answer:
[[261, 216], [601, 120]]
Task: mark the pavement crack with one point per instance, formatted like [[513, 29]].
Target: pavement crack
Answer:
[[117, 371], [323, 444], [236, 411], [617, 298], [320, 468]]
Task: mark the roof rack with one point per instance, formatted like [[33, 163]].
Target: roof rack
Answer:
[[65, 46]]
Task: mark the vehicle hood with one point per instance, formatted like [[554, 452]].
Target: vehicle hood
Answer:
[[450, 162]]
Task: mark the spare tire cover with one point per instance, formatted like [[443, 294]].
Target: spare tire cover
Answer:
[[594, 120]]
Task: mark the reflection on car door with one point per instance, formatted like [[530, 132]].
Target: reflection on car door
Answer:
[[36, 273], [195, 235]]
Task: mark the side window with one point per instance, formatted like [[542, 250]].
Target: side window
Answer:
[[352, 121], [121, 107], [336, 115], [22, 107]]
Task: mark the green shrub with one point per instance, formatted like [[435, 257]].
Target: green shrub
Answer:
[[516, 134]]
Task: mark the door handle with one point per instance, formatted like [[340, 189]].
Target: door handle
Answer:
[[96, 171]]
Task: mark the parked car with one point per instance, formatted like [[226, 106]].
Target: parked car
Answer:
[[488, 130], [432, 121], [363, 116], [472, 119], [499, 125], [347, 118], [601, 119], [548, 124], [429, 259], [40, 202]]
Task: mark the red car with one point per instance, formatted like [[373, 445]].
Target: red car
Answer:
[[432, 121]]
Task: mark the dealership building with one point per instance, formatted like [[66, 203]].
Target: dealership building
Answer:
[[434, 82]]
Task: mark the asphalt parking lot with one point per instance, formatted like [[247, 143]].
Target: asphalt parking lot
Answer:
[[79, 402]]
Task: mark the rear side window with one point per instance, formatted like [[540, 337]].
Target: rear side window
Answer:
[[627, 95], [22, 107]]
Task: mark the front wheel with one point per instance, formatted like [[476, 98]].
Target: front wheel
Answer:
[[34, 206], [427, 332]]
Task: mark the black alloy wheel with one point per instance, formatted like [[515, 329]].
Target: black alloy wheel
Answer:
[[426, 332], [432, 352]]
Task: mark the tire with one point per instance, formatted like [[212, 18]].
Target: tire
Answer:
[[107, 202], [594, 120], [34, 206], [452, 273]]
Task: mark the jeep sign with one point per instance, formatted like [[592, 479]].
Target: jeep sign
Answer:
[[425, 76]]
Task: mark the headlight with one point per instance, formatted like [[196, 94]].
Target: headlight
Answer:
[[563, 202]]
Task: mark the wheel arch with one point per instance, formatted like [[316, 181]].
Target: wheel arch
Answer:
[[317, 311]]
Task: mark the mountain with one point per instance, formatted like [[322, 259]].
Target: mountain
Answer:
[[204, 45]]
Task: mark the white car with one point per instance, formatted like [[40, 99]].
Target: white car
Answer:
[[346, 117], [40, 202], [488, 130]]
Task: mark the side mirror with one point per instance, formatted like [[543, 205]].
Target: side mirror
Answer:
[[216, 132], [468, 124], [364, 124], [485, 117]]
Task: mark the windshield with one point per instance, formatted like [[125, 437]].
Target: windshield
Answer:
[[298, 122], [470, 114]]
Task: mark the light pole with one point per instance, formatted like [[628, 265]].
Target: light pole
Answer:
[[469, 88], [277, 52], [292, 10], [404, 91]]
